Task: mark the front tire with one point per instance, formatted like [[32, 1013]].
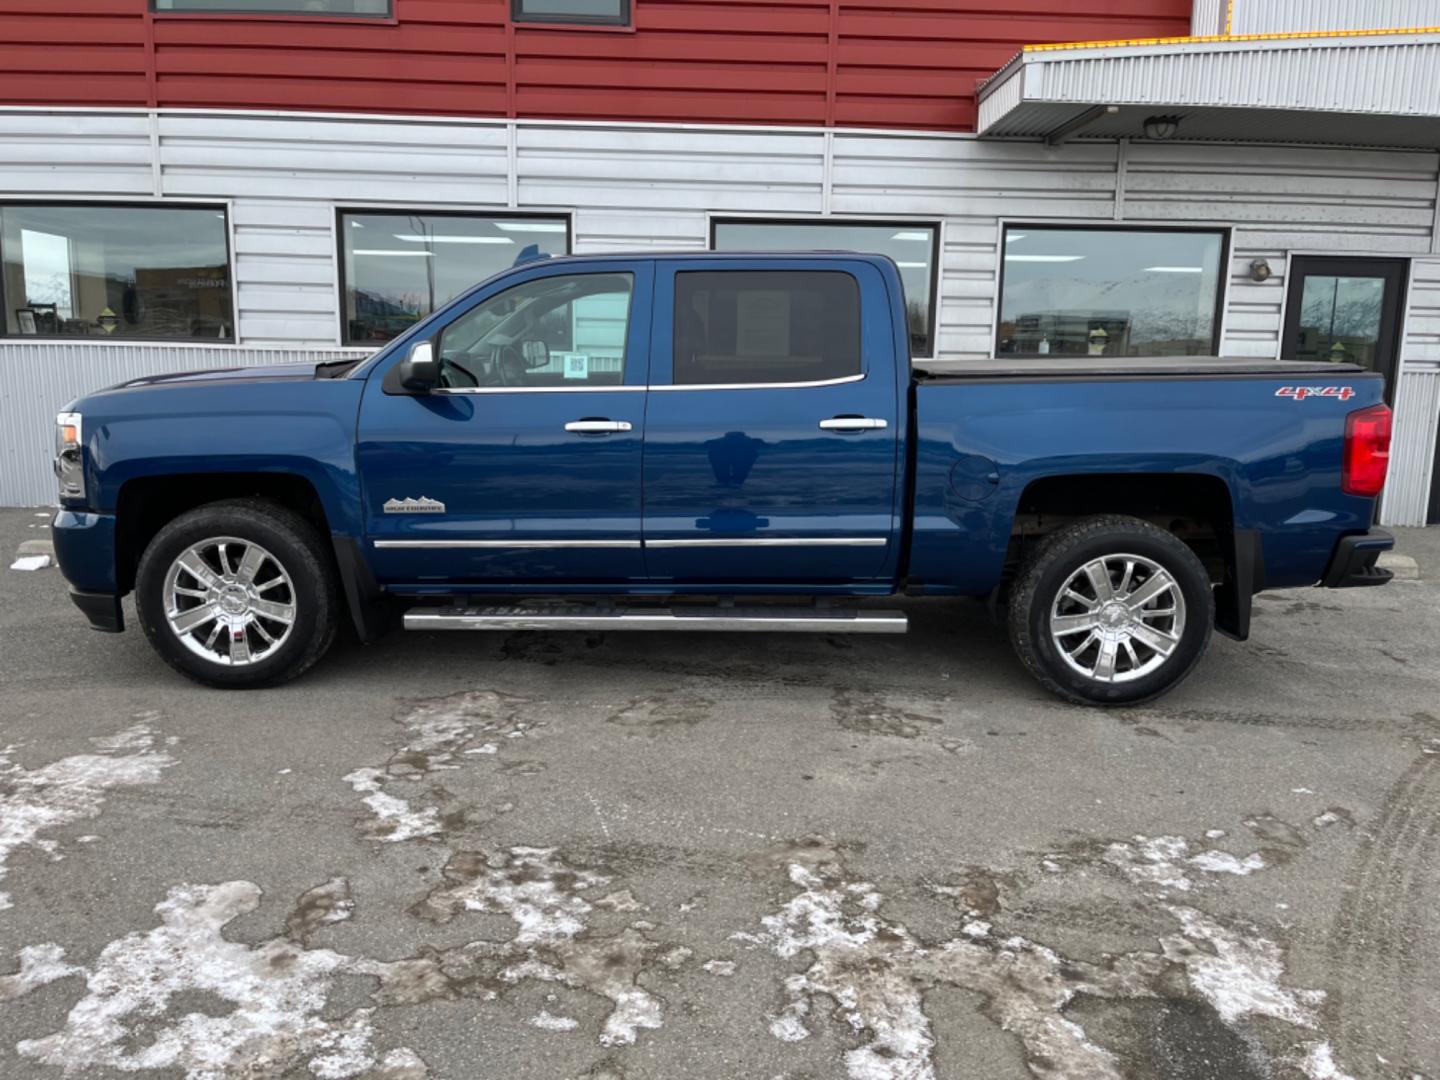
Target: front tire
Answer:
[[238, 594], [1111, 611]]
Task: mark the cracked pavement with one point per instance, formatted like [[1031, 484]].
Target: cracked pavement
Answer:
[[639, 856]]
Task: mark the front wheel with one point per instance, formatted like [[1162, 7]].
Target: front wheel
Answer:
[[238, 594], [1111, 611]]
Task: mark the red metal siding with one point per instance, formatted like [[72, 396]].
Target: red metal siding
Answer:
[[817, 62]]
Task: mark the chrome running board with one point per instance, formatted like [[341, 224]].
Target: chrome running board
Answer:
[[765, 619]]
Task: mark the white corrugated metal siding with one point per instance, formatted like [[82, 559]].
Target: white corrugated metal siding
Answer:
[[633, 187], [1299, 16], [1417, 405]]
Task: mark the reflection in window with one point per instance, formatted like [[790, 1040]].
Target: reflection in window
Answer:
[[1340, 319], [116, 272], [565, 331], [1109, 292], [283, 7], [603, 12], [765, 326], [400, 267], [911, 246]]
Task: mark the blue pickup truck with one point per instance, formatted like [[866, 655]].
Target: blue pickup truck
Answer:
[[715, 442]]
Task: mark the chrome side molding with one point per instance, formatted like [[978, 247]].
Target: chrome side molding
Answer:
[[759, 619]]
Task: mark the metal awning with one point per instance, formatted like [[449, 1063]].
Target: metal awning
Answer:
[[1351, 89]]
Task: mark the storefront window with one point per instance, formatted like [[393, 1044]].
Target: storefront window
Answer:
[[913, 247], [278, 7], [603, 12], [144, 272], [1110, 292], [400, 267]]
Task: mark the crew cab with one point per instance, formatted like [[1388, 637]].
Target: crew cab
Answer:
[[697, 442]]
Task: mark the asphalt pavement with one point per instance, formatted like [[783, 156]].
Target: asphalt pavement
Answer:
[[550, 855]]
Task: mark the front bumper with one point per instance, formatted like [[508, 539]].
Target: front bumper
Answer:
[[85, 551], [1353, 564]]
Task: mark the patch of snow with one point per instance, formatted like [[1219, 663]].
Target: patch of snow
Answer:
[[1301, 791], [1151, 861], [30, 562], [976, 928], [546, 1022], [1319, 1063], [277, 989], [542, 895], [1214, 834], [438, 733], [39, 965], [723, 968], [1222, 862], [1329, 817], [35, 801]]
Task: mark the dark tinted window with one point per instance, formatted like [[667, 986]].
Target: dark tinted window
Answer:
[[912, 246], [604, 12], [281, 7], [766, 326], [399, 267], [116, 272]]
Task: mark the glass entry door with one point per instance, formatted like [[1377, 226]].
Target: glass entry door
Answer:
[[1346, 311]]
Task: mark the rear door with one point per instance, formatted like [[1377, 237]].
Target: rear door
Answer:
[[772, 424], [1347, 310], [524, 466]]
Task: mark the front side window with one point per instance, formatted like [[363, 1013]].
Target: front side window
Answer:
[[765, 326], [1109, 292], [913, 247], [97, 271], [278, 7], [593, 12], [400, 267], [564, 332]]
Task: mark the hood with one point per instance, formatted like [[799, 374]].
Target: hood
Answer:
[[267, 373]]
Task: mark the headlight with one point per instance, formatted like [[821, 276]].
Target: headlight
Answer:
[[69, 460]]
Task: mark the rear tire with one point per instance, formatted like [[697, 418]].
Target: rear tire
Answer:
[[1111, 611], [238, 594]]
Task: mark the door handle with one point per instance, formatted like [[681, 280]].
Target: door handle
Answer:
[[853, 423], [597, 427]]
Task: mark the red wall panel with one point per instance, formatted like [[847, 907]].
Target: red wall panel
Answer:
[[913, 64]]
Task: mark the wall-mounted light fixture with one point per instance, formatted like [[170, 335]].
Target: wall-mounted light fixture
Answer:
[[1260, 270], [1160, 128]]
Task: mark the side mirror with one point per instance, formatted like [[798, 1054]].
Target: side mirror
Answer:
[[420, 371]]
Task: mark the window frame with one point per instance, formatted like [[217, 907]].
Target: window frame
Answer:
[[625, 22], [155, 11], [341, 212], [936, 248], [1226, 232], [223, 206]]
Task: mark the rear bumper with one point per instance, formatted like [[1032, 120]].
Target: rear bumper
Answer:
[[1353, 564]]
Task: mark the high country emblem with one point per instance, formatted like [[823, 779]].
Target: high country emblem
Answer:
[[421, 505]]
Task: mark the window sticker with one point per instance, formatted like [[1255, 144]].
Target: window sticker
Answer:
[[577, 365]]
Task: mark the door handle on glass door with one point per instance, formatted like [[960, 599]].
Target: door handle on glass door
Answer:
[[852, 423], [597, 427]]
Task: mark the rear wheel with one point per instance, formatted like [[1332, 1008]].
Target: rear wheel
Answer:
[[1111, 611], [238, 594]]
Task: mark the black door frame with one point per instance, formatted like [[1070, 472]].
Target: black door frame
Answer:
[[1392, 316]]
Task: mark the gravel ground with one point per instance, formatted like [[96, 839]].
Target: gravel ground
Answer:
[[567, 855]]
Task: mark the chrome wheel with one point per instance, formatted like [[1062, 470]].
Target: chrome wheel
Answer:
[[1118, 618], [229, 601]]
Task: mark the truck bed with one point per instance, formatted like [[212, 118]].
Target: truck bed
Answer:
[[1052, 367]]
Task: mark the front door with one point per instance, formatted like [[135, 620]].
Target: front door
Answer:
[[772, 434], [1346, 310], [524, 466]]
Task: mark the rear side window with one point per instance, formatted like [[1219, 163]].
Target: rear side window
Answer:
[[765, 326]]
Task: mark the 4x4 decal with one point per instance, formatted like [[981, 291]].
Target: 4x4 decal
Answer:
[[1300, 393]]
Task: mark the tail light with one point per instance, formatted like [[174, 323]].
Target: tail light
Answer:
[[1367, 451]]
